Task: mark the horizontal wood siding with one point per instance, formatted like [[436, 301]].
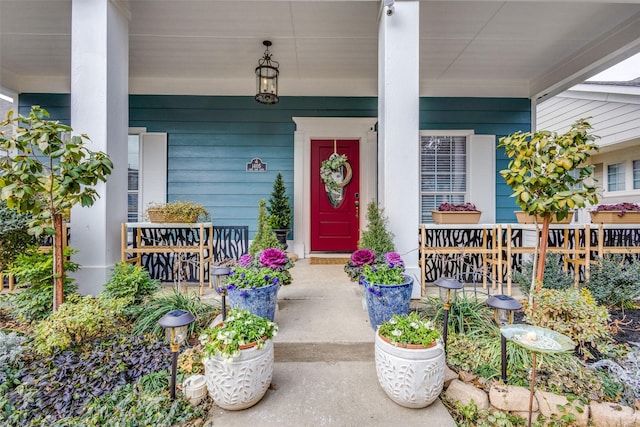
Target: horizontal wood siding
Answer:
[[485, 116], [211, 139]]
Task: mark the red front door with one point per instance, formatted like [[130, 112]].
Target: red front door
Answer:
[[335, 212]]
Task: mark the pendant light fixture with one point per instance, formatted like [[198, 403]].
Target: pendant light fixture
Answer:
[[267, 78]]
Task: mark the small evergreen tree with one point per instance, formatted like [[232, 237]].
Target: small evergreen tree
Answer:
[[265, 237], [376, 237], [279, 208]]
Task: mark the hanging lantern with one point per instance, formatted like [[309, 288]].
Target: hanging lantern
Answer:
[[267, 78]]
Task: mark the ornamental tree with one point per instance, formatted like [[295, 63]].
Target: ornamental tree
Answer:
[[548, 176], [279, 208], [44, 173]]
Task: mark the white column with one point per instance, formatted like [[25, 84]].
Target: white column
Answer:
[[100, 108], [398, 127]]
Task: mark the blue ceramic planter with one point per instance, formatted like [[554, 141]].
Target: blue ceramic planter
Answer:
[[260, 301], [383, 301]]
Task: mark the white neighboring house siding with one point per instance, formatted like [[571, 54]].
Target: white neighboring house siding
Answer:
[[614, 112]]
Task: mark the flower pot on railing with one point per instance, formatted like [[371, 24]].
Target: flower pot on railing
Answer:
[[525, 218], [456, 217]]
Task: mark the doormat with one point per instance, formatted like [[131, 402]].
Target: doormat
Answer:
[[327, 260]]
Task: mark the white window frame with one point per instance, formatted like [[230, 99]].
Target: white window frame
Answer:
[[628, 178], [152, 168], [480, 178]]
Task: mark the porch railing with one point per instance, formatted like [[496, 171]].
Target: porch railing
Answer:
[[497, 250]]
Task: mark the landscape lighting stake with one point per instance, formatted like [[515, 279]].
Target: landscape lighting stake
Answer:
[[447, 285], [503, 308], [176, 325]]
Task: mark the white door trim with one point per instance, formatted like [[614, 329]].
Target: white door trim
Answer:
[[308, 128]]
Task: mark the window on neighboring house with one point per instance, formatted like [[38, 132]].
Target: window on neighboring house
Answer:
[[615, 177], [133, 185], [443, 172], [636, 174]]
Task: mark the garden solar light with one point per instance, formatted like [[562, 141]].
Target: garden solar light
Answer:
[[446, 285], [176, 324], [217, 276], [503, 308]]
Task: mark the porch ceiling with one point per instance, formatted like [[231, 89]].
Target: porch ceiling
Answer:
[[467, 48]]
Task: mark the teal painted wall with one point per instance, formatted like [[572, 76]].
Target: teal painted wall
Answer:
[[211, 139]]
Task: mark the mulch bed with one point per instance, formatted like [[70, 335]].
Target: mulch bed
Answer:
[[625, 325]]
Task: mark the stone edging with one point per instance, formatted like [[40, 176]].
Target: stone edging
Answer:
[[515, 400]]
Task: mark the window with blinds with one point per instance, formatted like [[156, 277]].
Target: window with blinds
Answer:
[[443, 172]]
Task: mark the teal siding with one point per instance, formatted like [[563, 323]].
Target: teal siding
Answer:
[[210, 140]]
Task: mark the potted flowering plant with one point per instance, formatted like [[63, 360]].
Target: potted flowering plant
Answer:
[[409, 343], [357, 261], [253, 284], [621, 213], [238, 359], [387, 288], [452, 213]]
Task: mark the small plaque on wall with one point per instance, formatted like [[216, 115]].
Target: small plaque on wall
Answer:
[[256, 165]]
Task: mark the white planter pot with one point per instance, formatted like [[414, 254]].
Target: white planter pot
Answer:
[[242, 382], [411, 377], [195, 389]]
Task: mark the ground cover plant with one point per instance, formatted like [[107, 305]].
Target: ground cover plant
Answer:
[[84, 366]]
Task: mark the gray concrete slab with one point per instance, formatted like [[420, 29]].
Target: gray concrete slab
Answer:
[[324, 371], [329, 394]]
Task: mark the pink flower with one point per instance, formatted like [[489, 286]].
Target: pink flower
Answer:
[[245, 260], [393, 259], [273, 258], [362, 257]]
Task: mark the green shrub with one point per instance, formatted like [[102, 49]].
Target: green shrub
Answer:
[[77, 321], [156, 307], [14, 238], [613, 282], [554, 275], [465, 315], [574, 313], [278, 207], [265, 237], [35, 269], [130, 282], [376, 237]]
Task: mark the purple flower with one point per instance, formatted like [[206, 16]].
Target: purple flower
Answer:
[[362, 257], [245, 260], [231, 287], [393, 259], [244, 293], [273, 258]]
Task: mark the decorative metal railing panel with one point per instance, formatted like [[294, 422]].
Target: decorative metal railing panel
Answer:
[[231, 241], [496, 251]]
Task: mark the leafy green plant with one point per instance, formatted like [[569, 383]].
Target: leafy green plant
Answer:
[[574, 313], [133, 405], [541, 175], [47, 185], [279, 209], [390, 272], [376, 237], [14, 238], [466, 315], [158, 306], [68, 381], [178, 211], [409, 329], [614, 282], [471, 416], [78, 320], [130, 282], [190, 360], [33, 269], [239, 328], [554, 275], [265, 237]]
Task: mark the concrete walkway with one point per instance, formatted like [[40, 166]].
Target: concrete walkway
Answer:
[[324, 373]]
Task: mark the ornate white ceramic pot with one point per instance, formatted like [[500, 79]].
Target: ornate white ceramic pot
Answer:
[[243, 381], [411, 377]]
